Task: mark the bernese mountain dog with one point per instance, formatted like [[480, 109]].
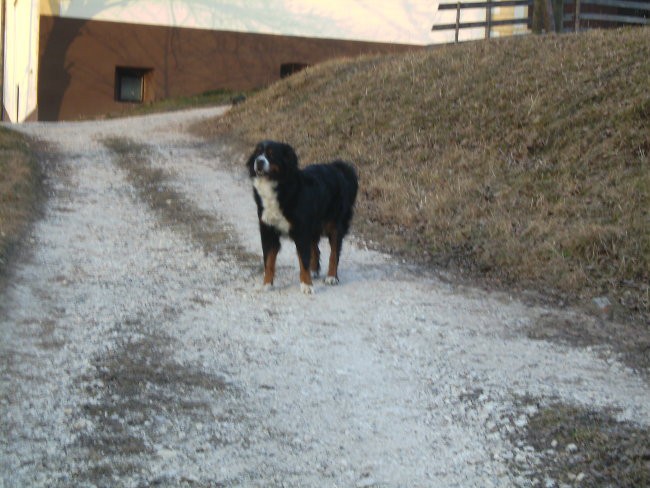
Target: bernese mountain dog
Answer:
[[303, 204]]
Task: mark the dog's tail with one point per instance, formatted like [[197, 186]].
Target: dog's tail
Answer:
[[351, 179]]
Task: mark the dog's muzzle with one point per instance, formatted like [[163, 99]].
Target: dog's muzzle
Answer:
[[261, 165]]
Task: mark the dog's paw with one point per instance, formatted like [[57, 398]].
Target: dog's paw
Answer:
[[331, 280], [306, 289], [267, 287]]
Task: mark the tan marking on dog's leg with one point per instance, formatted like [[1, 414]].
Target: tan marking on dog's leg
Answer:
[[269, 266], [305, 277], [332, 271], [306, 285], [314, 263]]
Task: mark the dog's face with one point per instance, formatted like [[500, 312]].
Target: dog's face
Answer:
[[274, 160]]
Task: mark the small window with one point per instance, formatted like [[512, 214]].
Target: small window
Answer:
[[288, 69], [130, 84]]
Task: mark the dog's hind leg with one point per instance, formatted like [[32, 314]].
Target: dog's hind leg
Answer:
[[335, 237], [314, 263]]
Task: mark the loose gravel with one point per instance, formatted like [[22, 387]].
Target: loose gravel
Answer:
[[134, 355]]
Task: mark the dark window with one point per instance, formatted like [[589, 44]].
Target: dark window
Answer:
[[288, 69], [131, 84]]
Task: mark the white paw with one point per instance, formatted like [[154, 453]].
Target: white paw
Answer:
[[331, 280], [267, 287], [306, 289]]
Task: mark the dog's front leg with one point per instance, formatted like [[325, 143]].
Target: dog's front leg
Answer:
[[303, 247], [270, 249]]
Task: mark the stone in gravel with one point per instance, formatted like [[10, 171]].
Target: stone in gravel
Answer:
[[166, 454], [82, 424], [603, 305], [521, 421], [366, 482], [531, 410]]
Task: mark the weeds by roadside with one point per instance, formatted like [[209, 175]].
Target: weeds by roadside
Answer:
[[580, 447], [20, 191]]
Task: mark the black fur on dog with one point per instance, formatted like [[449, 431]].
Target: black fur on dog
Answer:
[[303, 204]]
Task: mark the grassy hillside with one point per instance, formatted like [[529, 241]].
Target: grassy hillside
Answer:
[[524, 161], [20, 184], [209, 98]]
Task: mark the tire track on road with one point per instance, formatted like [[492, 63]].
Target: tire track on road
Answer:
[[141, 404], [154, 187]]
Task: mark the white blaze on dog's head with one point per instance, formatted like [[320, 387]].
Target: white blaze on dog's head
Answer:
[[262, 165]]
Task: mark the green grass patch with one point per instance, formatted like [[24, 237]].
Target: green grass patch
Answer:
[[522, 161], [207, 99]]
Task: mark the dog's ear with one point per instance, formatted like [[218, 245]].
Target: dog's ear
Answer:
[[251, 160], [289, 155], [249, 165]]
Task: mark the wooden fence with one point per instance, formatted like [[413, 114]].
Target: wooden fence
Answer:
[[579, 14], [572, 14]]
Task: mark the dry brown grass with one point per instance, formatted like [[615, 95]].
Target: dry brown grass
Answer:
[[605, 451], [524, 161], [19, 191]]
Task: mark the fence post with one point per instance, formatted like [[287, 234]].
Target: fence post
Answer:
[[550, 17], [3, 11], [537, 17], [543, 18], [488, 19], [577, 16], [457, 20]]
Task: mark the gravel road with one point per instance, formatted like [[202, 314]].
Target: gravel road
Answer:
[[135, 354]]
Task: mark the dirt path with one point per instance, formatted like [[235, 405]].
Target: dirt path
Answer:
[[139, 349]]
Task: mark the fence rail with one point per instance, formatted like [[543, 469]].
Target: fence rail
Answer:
[[615, 3], [488, 24], [615, 12]]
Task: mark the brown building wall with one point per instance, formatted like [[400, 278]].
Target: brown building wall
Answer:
[[78, 60]]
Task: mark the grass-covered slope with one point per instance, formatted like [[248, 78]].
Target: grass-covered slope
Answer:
[[524, 160], [20, 190]]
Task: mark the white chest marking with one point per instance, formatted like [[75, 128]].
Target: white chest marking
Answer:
[[271, 214]]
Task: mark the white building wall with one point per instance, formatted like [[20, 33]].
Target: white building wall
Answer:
[[20, 79], [392, 21]]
